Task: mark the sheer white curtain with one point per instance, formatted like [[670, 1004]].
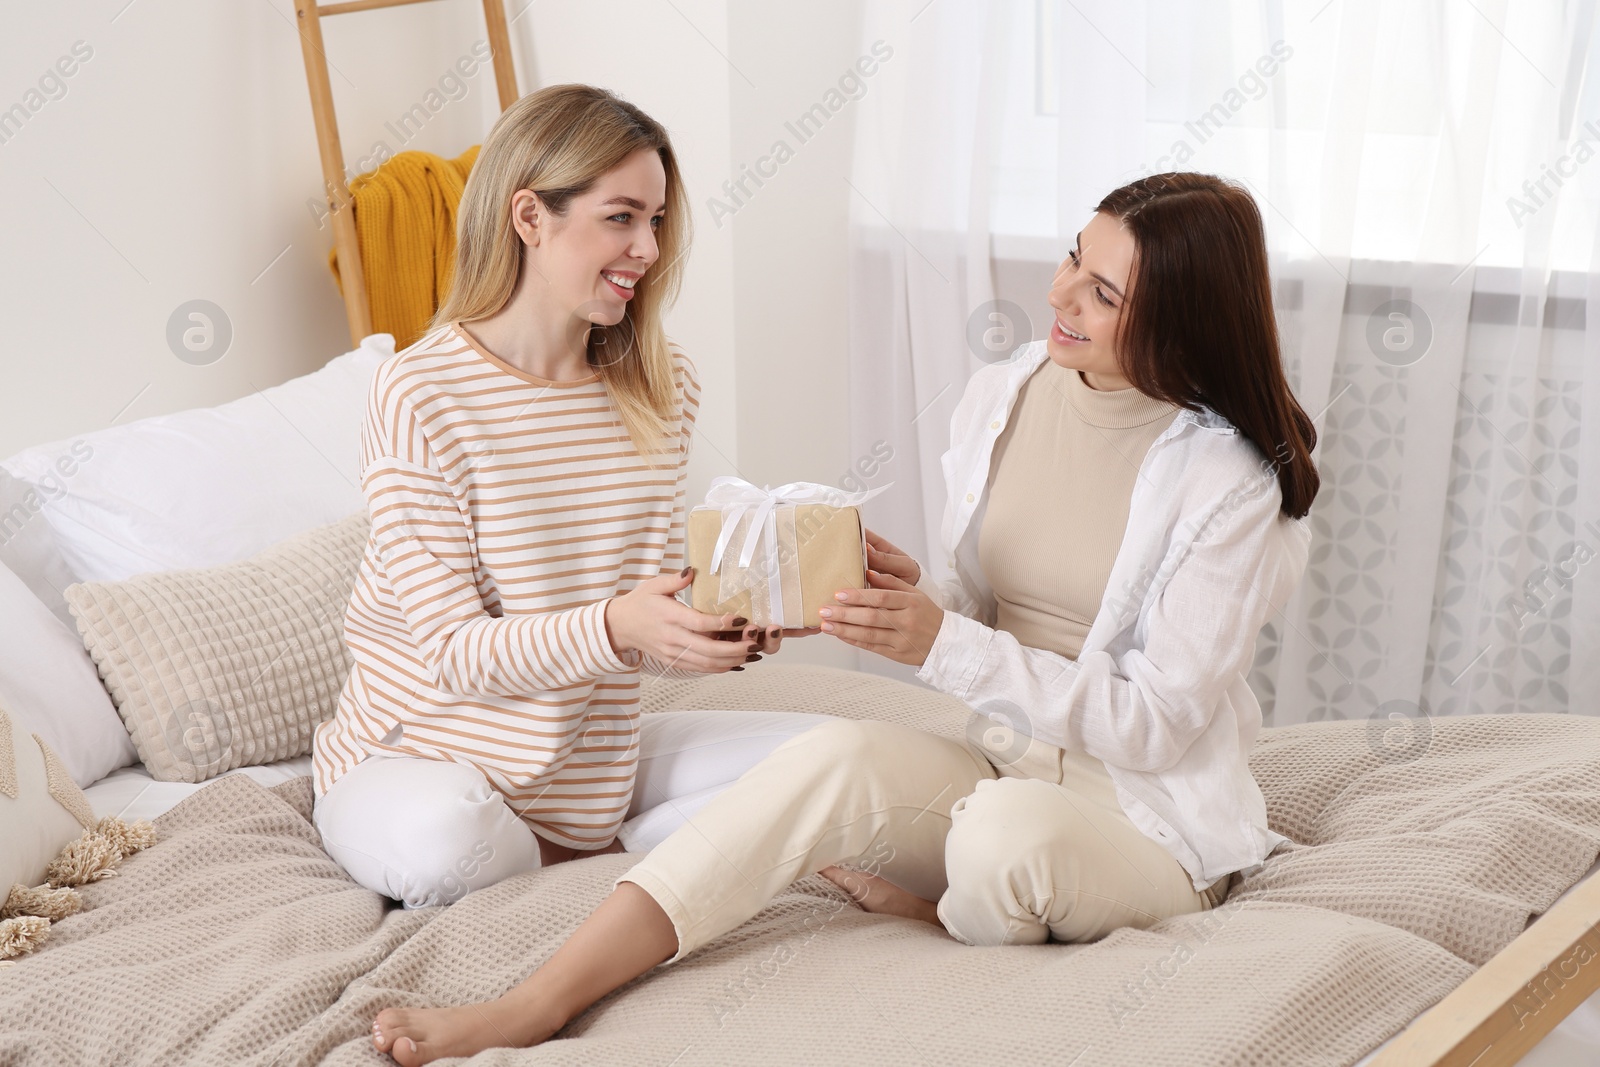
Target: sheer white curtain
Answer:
[[1433, 214]]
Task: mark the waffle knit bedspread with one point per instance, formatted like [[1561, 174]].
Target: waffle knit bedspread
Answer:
[[237, 940]]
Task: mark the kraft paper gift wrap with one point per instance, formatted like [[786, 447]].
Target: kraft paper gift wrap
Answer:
[[775, 556]]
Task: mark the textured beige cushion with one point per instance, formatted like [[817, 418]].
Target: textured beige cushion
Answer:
[[42, 809], [231, 666]]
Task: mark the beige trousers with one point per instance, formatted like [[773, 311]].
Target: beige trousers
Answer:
[[1037, 849]]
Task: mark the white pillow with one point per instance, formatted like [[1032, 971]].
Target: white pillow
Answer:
[[28, 547], [51, 686], [208, 486]]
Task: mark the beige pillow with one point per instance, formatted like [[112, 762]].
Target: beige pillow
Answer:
[[231, 666]]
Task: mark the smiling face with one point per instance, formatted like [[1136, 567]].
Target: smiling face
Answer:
[[1088, 294], [594, 254]]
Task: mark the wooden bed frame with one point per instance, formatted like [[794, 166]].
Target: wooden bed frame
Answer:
[[1492, 1019], [1510, 1003], [309, 13]]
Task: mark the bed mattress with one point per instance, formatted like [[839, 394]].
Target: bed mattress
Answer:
[[131, 794]]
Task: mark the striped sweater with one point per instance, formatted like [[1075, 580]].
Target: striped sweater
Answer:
[[506, 510]]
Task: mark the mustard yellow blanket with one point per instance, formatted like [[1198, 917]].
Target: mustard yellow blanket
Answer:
[[405, 214]]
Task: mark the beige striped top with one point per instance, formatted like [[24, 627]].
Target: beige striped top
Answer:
[[506, 510]]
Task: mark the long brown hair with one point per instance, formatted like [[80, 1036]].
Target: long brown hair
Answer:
[[1198, 327], [558, 141]]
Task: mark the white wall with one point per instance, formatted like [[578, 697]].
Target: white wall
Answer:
[[178, 165], [178, 162]]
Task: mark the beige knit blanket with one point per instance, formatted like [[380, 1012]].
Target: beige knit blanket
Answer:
[[236, 940]]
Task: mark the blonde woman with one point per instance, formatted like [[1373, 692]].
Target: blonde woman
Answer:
[[524, 464], [1126, 508]]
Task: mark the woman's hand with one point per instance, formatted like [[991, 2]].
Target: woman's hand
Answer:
[[893, 618], [650, 618], [884, 557], [771, 639]]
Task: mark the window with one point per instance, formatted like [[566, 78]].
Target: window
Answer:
[[1455, 133]]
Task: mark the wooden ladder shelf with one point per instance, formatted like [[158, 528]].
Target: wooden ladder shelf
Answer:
[[353, 280]]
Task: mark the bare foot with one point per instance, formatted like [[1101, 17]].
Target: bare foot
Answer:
[[421, 1035], [881, 896]]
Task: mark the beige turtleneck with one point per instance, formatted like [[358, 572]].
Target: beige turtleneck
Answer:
[[1060, 481]]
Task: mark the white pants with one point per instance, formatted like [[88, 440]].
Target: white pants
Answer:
[[425, 831]]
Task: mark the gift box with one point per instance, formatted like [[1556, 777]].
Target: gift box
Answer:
[[775, 556]]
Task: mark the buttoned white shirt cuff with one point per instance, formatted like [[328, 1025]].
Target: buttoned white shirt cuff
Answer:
[[957, 653]]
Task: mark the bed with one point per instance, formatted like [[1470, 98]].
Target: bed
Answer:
[[235, 939], [1399, 929]]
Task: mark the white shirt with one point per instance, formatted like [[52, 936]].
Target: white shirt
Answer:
[[1158, 692]]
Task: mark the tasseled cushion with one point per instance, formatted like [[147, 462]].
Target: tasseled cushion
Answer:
[[27, 913], [45, 902], [50, 840], [20, 936]]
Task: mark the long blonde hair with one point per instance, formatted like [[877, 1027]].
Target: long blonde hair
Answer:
[[558, 141]]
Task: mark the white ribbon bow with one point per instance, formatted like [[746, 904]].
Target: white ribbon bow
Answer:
[[735, 497]]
